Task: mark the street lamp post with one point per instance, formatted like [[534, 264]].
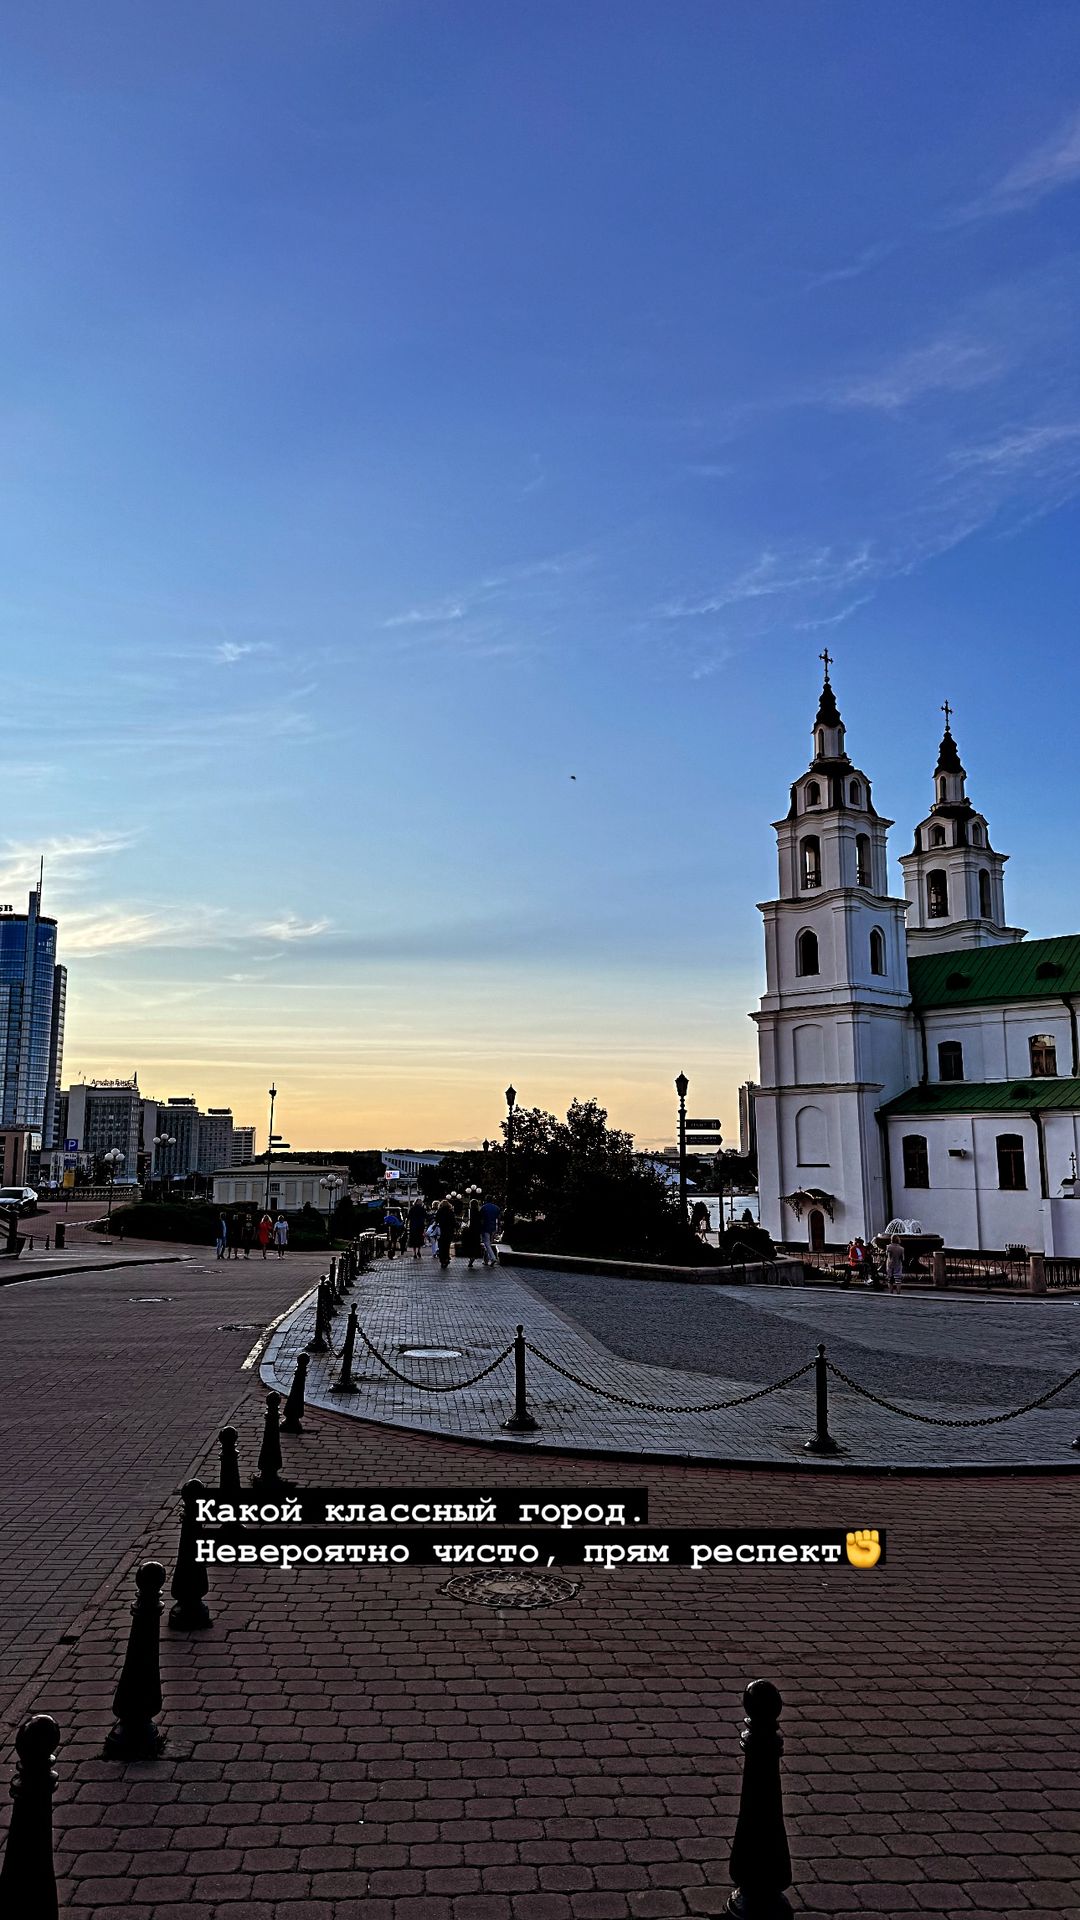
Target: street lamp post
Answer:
[[269, 1147], [163, 1140], [682, 1088], [113, 1159], [511, 1097], [331, 1181]]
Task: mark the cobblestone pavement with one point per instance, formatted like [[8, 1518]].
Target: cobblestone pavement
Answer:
[[104, 1399], [348, 1742], [934, 1357]]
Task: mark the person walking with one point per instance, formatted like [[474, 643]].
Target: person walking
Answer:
[[446, 1221], [281, 1235], [393, 1223], [894, 1265], [489, 1227], [248, 1236], [431, 1234], [417, 1222], [266, 1233], [236, 1230], [471, 1244], [222, 1240]]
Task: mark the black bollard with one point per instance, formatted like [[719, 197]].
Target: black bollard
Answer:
[[760, 1863], [189, 1612], [229, 1486], [293, 1421], [521, 1420], [335, 1290], [28, 1877], [268, 1479], [821, 1440], [318, 1342], [138, 1692], [345, 1382]]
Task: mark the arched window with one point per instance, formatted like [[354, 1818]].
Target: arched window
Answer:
[[863, 874], [916, 1160], [821, 744], [855, 794], [1010, 1158], [950, 1060], [986, 904], [810, 861], [809, 1053], [877, 950], [1043, 1050], [806, 952], [942, 788], [937, 836], [811, 1138], [937, 895], [813, 794], [976, 836]]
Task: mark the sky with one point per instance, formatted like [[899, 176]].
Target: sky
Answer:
[[437, 443]]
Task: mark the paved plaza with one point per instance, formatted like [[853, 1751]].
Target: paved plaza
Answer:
[[352, 1742], [669, 1346]]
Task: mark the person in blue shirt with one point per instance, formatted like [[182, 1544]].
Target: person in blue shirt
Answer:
[[489, 1227]]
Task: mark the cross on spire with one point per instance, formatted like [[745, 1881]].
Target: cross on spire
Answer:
[[828, 659], [947, 711]]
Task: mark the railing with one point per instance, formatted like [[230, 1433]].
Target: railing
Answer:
[[1062, 1273], [986, 1270]]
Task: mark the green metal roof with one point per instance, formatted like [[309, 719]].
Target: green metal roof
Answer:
[[995, 1096], [1028, 970]]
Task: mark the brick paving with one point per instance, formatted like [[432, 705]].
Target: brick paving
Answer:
[[403, 1303], [355, 1744]]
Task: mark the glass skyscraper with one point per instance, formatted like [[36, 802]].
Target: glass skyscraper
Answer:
[[33, 990]]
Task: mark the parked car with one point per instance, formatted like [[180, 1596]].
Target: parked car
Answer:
[[21, 1199]]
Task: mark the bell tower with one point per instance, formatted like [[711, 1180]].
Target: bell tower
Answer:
[[954, 880], [834, 1034]]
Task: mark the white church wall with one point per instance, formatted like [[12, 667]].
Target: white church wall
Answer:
[[1062, 1228], [949, 1205], [1007, 1218], [996, 1040]]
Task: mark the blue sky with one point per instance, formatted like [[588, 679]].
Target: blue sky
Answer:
[[406, 407]]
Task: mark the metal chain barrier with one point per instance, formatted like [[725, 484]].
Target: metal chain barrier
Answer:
[[934, 1420], [664, 1406], [428, 1386]]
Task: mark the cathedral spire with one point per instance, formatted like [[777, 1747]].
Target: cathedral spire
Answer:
[[948, 761], [828, 726]]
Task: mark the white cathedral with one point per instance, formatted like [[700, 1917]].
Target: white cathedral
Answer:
[[918, 1058]]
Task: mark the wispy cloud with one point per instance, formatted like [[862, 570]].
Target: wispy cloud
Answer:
[[63, 855], [1049, 167], [1024, 447], [290, 927], [435, 615], [816, 570], [951, 364], [228, 652], [870, 257], [834, 619]]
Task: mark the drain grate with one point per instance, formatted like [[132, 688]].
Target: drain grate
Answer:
[[148, 1299], [239, 1326], [432, 1353], [507, 1588]]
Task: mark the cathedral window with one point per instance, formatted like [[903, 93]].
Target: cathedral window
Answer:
[[877, 950], [942, 788], [1012, 1177], [916, 1160], [950, 1060], [937, 895], [976, 836], [1043, 1049], [806, 952], [862, 860], [821, 744], [810, 849], [937, 836], [855, 794], [986, 904], [813, 794]]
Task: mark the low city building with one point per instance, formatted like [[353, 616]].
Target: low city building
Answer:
[[407, 1163], [291, 1186]]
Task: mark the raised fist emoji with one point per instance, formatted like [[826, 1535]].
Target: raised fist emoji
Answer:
[[864, 1547]]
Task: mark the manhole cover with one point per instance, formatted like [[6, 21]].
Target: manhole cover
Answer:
[[148, 1299], [239, 1326], [511, 1589], [432, 1353]]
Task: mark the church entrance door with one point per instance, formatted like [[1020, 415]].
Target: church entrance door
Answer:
[[817, 1231]]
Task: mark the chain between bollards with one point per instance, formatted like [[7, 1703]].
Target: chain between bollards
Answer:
[[521, 1420], [28, 1876], [138, 1692]]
